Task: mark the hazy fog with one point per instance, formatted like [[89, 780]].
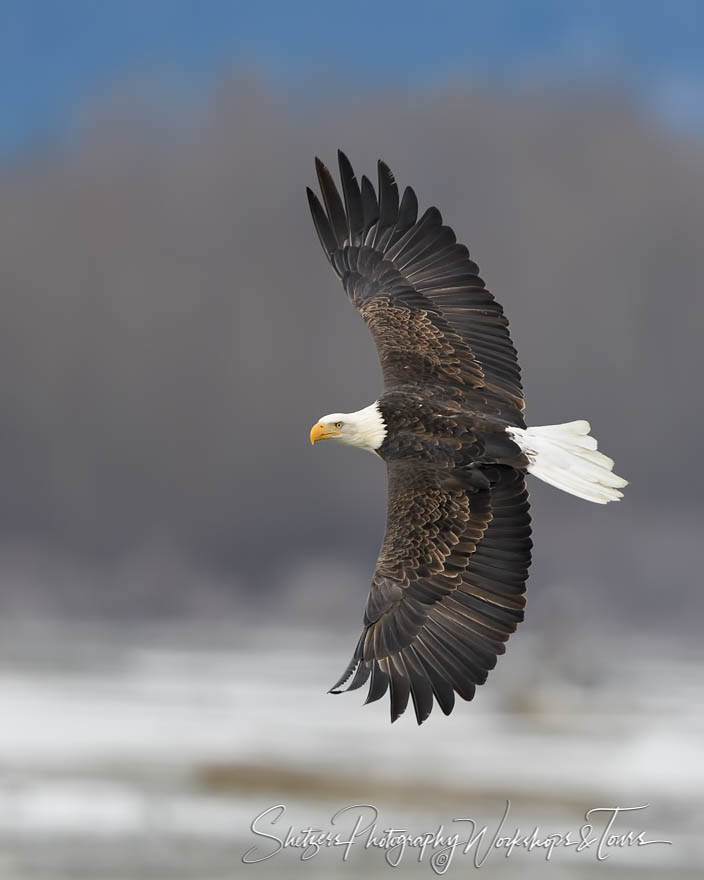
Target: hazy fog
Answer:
[[170, 329]]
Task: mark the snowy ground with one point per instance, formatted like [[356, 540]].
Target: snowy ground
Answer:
[[149, 753]]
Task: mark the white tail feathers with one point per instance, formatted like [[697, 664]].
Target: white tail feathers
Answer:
[[566, 457]]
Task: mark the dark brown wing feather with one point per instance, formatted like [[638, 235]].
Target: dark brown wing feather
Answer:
[[418, 291], [448, 589], [449, 584]]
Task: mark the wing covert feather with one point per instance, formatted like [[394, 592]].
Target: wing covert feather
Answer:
[[383, 252], [448, 590]]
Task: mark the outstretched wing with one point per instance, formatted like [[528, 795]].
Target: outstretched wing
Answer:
[[418, 291], [448, 588]]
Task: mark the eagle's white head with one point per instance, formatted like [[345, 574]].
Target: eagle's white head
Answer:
[[364, 428]]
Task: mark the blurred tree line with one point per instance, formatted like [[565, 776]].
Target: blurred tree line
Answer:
[[169, 327]]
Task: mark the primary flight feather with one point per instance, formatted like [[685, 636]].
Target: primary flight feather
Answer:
[[449, 584]]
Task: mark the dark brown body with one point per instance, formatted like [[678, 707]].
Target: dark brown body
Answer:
[[431, 427]]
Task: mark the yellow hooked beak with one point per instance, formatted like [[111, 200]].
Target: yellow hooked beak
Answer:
[[321, 432]]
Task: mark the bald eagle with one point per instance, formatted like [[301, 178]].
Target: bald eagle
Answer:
[[449, 584]]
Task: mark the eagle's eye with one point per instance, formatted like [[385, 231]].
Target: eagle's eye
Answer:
[[338, 424]]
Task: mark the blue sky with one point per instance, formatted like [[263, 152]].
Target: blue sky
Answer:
[[57, 54]]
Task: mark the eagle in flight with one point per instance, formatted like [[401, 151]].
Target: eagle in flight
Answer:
[[449, 584]]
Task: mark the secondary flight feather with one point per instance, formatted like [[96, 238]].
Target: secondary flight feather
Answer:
[[448, 589]]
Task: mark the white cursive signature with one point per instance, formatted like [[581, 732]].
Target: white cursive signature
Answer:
[[357, 826]]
